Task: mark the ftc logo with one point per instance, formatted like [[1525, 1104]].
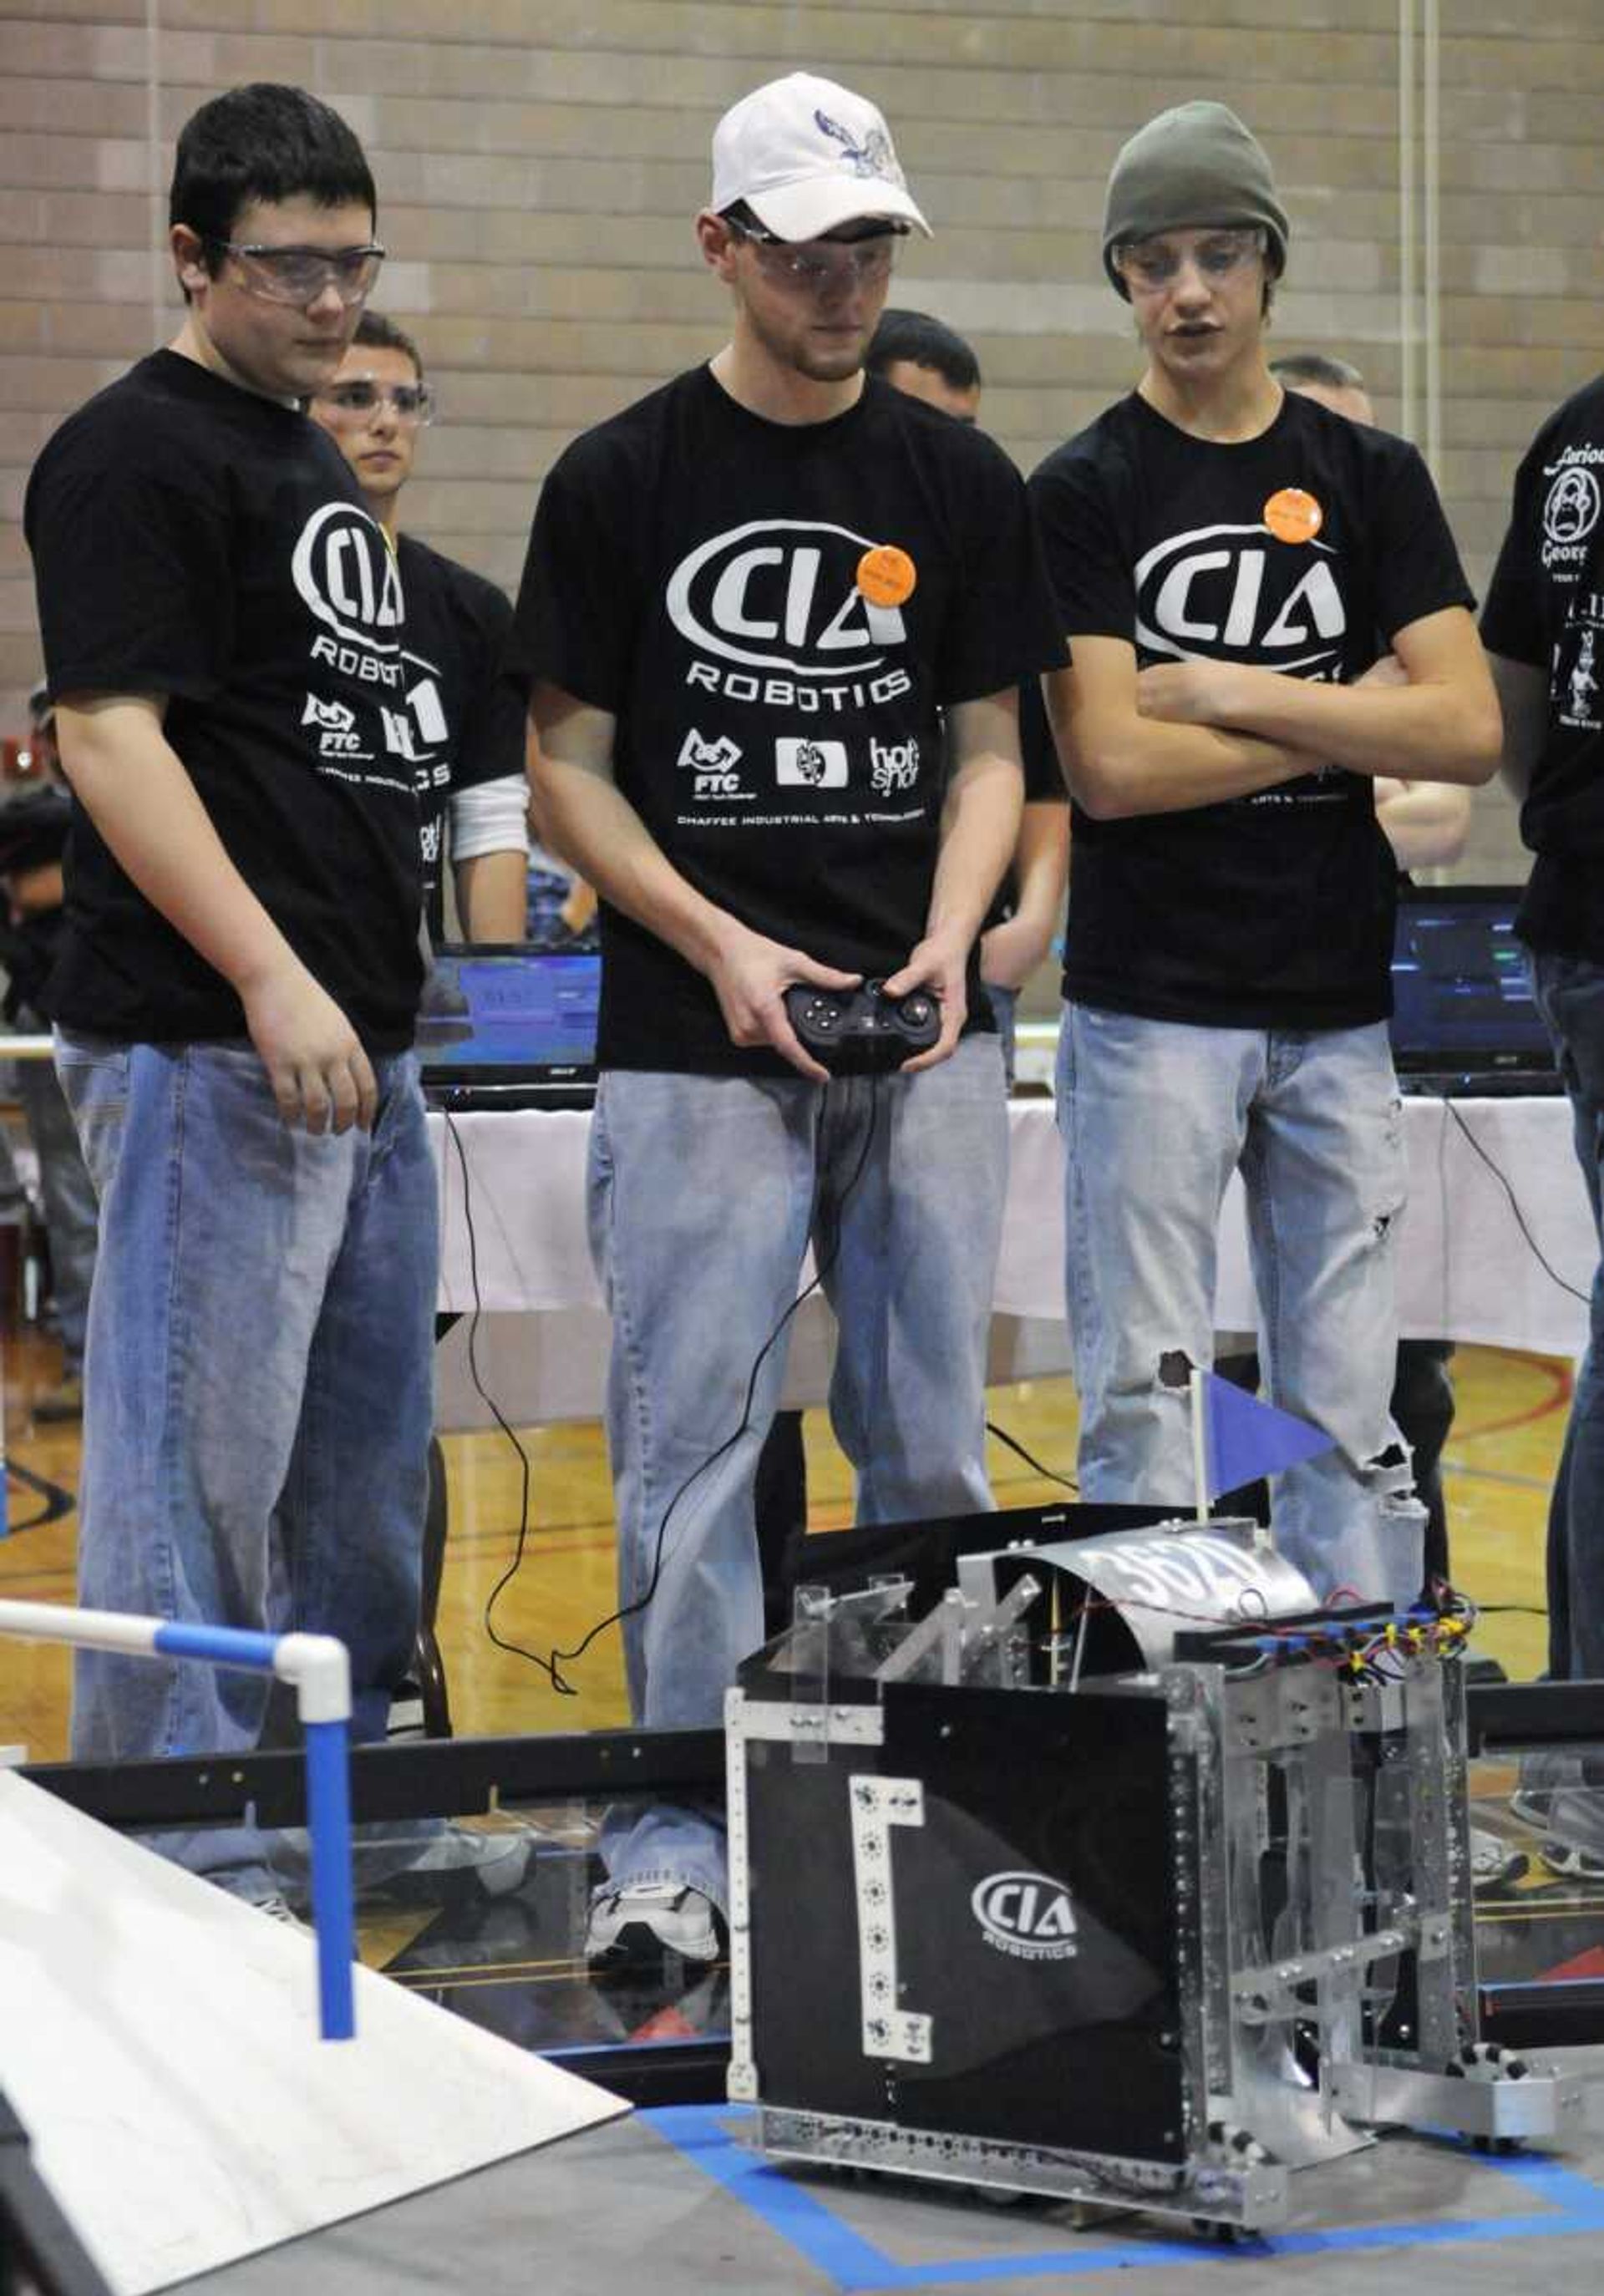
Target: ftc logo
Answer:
[[782, 594], [1028, 1915], [714, 765], [336, 725], [1233, 590]]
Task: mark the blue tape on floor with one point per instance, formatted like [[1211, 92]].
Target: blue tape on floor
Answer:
[[1569, 2204]]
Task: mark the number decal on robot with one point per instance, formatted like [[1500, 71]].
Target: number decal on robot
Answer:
[[1169, 1574], [889, 2030]]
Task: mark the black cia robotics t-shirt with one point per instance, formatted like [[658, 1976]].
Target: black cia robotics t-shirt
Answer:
[[193, 539], [1276, 910], [692, 570], [1545, 608], [465, 710]]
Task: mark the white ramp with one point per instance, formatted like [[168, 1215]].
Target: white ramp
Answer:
[[159, 2041]]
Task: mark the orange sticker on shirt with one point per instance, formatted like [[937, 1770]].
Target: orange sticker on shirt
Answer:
[[1293, 516], [886, 576]]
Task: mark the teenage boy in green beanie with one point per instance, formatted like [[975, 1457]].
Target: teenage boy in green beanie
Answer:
[[1229, 561]]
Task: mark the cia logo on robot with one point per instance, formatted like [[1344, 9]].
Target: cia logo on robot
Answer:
[[1026, 1915]]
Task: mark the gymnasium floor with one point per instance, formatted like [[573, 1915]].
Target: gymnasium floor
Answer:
[[1500, 1466], [706, 2211]]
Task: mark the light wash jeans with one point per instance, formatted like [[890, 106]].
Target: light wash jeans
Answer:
[[705, 1191], [1156, 1117], [1570, 995], [257, 1392]]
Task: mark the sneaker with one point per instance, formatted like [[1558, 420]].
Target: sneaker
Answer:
[[495, 1859], [407, 1720], [279, 1909], [646, 1920], [1574, 1844], [1575, 1835], [60, 1403], [1543, 1776], [1494, 1863]]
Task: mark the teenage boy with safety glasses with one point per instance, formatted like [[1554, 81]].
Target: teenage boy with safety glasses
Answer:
[[240, 968], [1230, 558], [465, 712]]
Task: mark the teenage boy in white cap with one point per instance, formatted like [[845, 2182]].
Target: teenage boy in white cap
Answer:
[[1225, 555], [750, 600]]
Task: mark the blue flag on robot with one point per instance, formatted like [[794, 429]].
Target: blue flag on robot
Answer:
[[1240, 1438]]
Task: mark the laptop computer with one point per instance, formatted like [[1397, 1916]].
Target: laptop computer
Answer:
[[509, 1028], [1464, 1022]]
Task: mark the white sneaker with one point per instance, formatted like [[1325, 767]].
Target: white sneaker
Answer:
[[279, 1909], [644, 1920], [1494, 1861]]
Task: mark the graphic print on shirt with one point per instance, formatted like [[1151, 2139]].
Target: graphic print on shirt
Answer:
[[1578, 670], [345, 575], [1571, 506], [773, 614], [1234, 592]]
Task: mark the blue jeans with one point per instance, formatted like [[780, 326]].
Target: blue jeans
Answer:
[[1156, 1117], [258, 1386], [1570, 995], [705, 1191], [1005, 1011]]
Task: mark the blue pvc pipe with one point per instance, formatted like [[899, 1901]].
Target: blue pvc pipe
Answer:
[[333, 1913], [223, 1645]]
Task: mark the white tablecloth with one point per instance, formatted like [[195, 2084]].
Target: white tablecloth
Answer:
[[1466, 1270]]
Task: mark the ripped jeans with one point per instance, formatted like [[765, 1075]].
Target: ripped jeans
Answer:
[[1156, 1116]]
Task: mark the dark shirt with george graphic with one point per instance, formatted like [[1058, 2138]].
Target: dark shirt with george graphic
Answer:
[[465, 710], [692, 570], [1266, 912], [1545, 608], [194, 540]]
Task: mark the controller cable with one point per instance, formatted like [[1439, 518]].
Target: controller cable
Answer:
[[552, 1665]]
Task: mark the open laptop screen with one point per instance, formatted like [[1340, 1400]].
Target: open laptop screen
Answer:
[[510, 1027], [1462, 998]]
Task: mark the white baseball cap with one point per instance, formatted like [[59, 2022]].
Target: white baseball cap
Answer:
[[807, 155]]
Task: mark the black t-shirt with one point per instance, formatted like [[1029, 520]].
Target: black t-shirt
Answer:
[[1271, 911], [193, 539], [466, 709], [1546, 608], [692, 571]]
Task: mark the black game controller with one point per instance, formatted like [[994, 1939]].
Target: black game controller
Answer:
[[863, 1032]]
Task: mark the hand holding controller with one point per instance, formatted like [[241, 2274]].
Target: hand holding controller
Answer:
[[862, 1031]]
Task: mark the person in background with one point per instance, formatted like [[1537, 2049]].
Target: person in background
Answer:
[[1543, 626], [932, 361], [33, 835], [462, 714]]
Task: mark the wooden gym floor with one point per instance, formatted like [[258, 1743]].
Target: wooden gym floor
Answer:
[[1500, 1464]]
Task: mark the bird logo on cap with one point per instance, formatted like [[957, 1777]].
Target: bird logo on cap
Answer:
[[873, 157]]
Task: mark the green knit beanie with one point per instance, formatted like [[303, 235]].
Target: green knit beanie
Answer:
[[1193, 166]]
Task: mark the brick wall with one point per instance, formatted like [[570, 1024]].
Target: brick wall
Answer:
[[538, 160]]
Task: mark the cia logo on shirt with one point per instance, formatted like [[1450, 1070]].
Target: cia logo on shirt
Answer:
[[782, 595], [345, 575], [1237, 590]]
